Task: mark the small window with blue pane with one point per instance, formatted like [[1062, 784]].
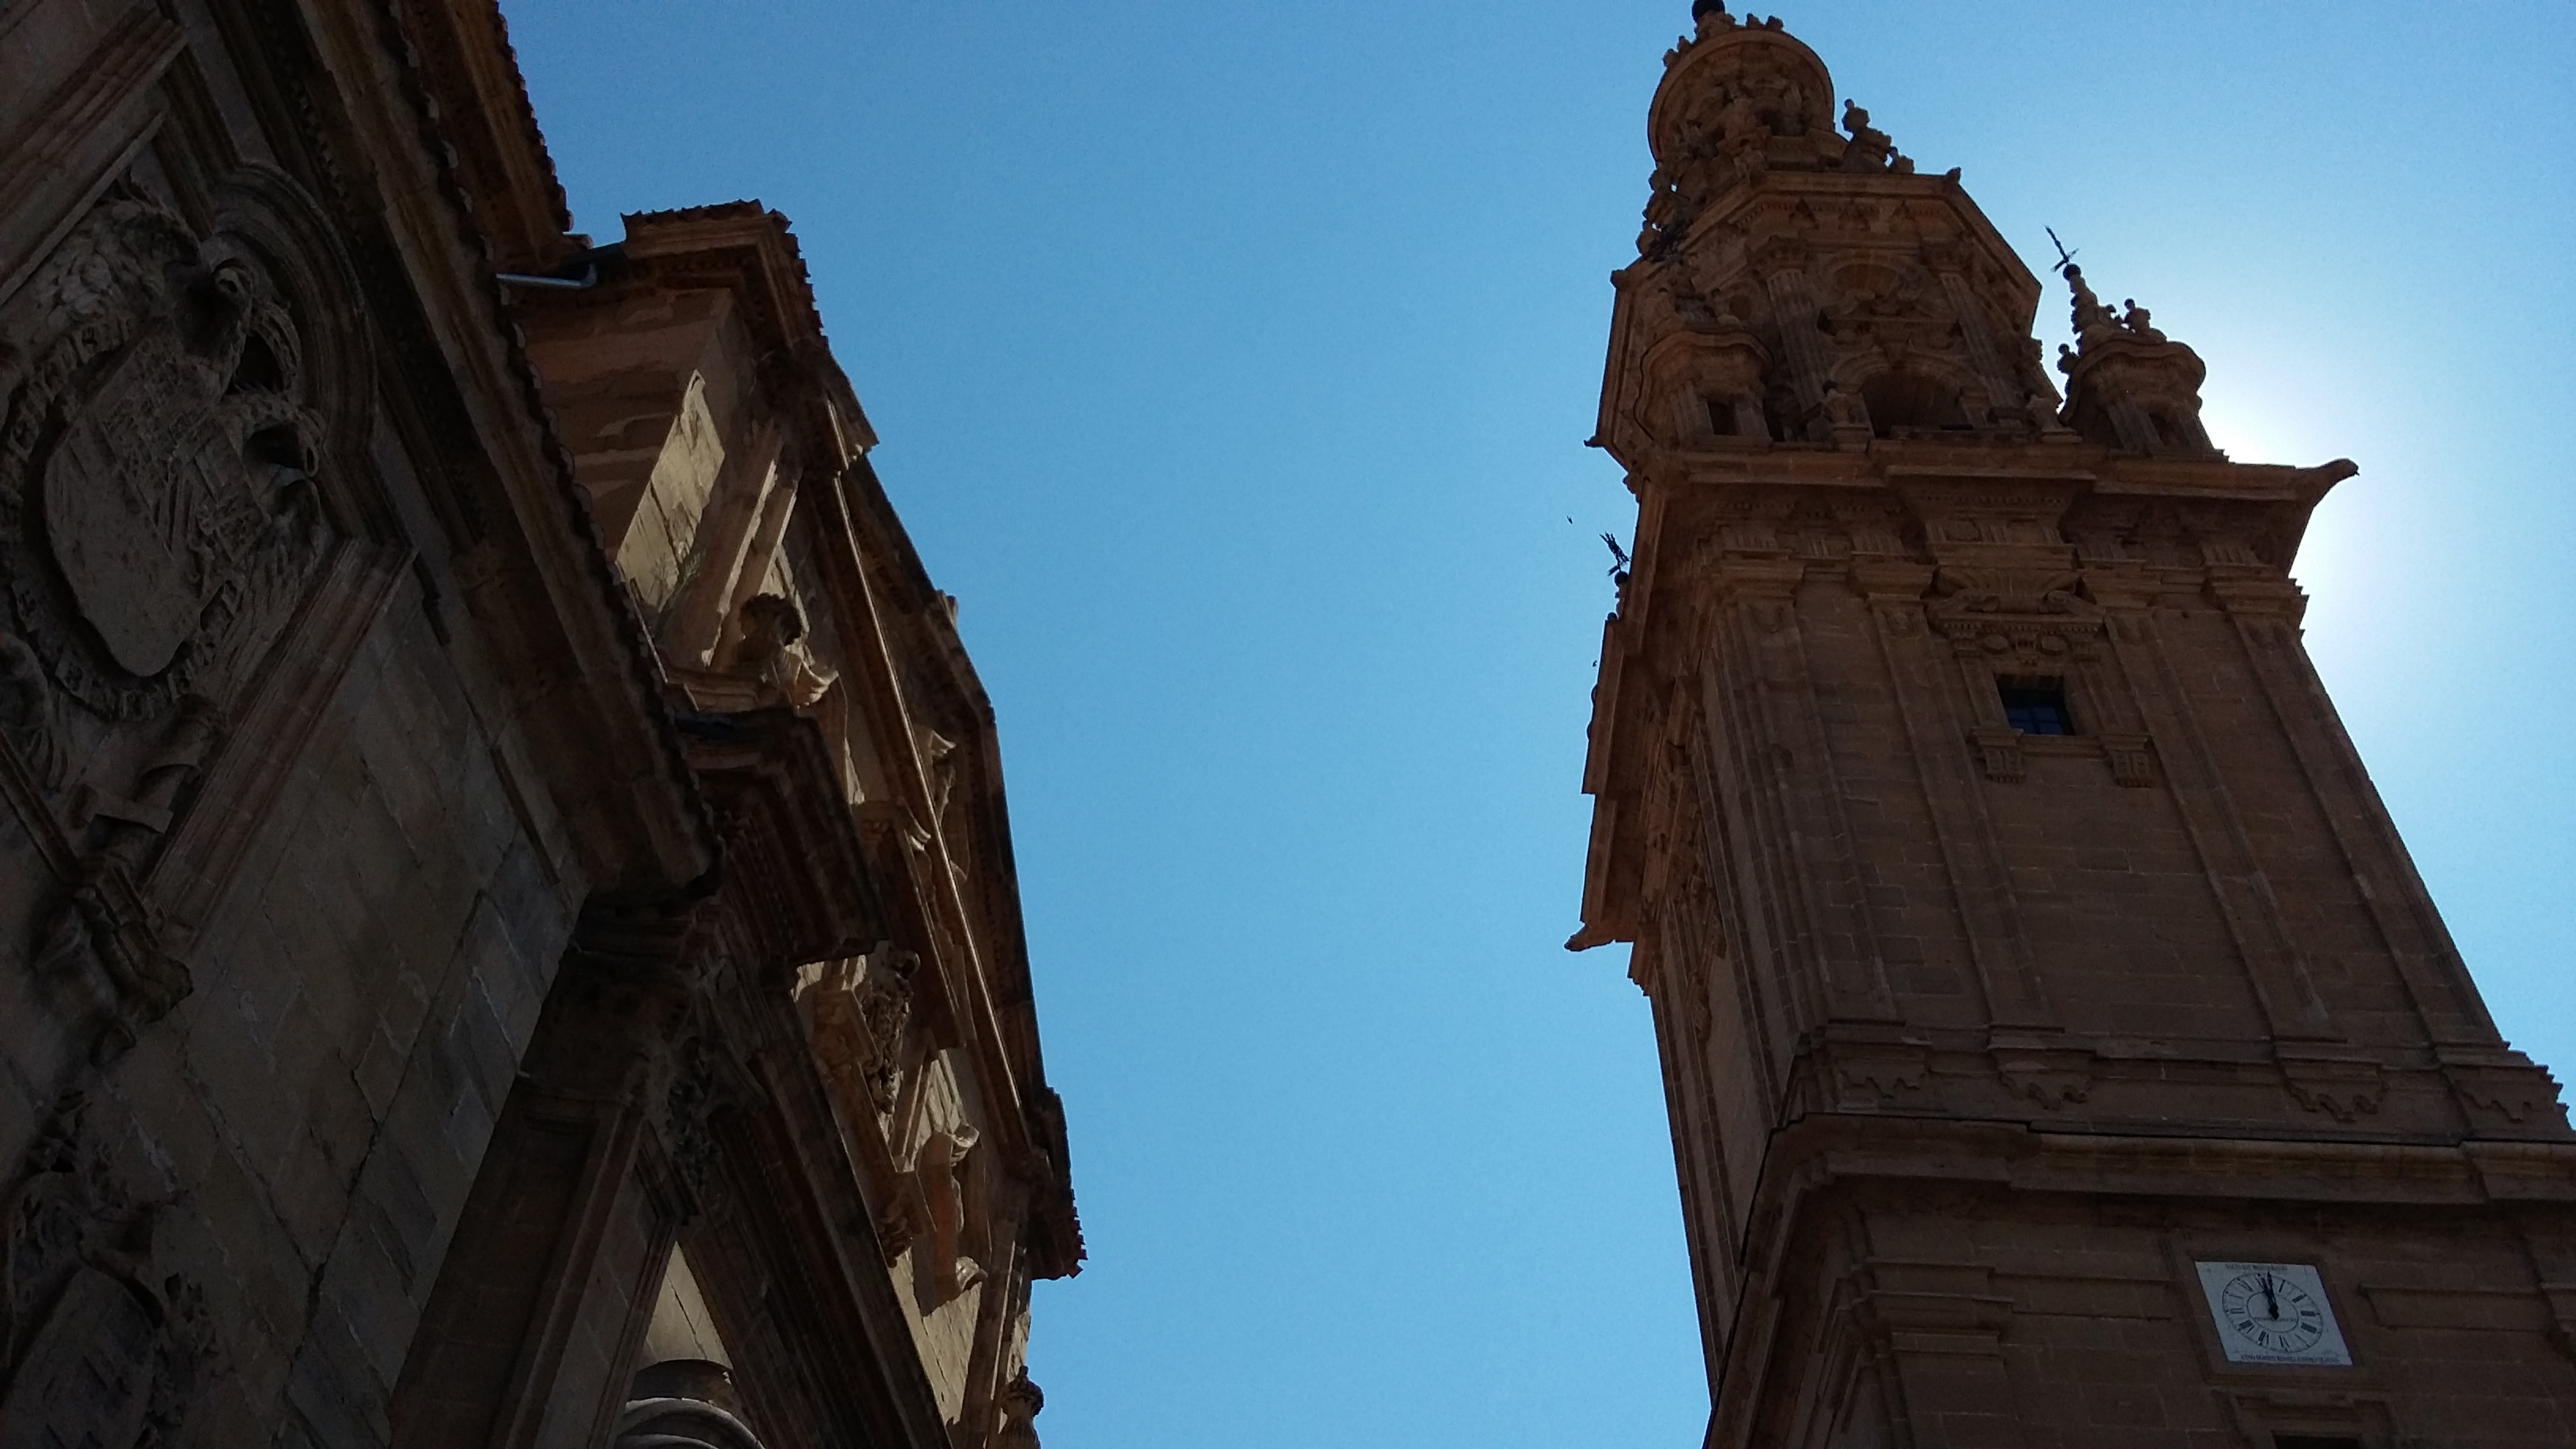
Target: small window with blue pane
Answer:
[[2037, 706]]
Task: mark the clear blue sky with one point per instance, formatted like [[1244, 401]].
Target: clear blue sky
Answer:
[[1232, 363]]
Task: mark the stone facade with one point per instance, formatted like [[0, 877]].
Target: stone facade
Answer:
[[2060, 1046], [507, 918]]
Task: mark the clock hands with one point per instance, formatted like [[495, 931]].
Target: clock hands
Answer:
[[2271, 1304]]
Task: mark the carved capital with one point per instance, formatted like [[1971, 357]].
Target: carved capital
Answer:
[[1999, 751], [2132, 757]]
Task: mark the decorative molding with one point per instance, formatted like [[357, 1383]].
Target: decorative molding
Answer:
[[694, 1098], [2507, 1099], [2053, 1077], [1867, 1078], [2132, 757], [2341, 1088], [1999, 751]]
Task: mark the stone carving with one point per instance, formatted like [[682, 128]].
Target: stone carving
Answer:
[[1869, 148], [1999, 754], [2027, 618], [862, 1015], [2128, 385], [2342, 1090], [1757, 101], [158, 511], [100, 942], [1875, 1080], [2053, 1079], [99, 1345], [2507, 1100], [940, 1166], [2008, 591], [773, 651], [897, 1225], [2092, 321], [884, 1001], [692, 1102], [30, 717], [1021, 1402], [2133, 760], [1845, 416]]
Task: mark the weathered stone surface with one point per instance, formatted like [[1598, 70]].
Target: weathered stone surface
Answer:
[[438, 807], [2021, 926]]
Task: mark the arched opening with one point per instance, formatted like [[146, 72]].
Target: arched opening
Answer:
[[1899, 399]]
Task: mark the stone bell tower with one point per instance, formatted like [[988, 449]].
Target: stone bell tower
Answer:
[[2061, 1047]]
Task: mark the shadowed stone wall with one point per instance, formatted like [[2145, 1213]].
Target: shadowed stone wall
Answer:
[[491, 795]]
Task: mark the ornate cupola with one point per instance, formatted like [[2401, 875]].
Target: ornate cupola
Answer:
[[1801, 284]]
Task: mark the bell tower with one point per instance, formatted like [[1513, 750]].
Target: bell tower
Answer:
[[2061, 1047]]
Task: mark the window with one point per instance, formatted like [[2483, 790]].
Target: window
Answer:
[[2037, 706]]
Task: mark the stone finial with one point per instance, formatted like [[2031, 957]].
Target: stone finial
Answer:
[[2128, 385], [1708, 15], [2090, 318], [1021, 1402]]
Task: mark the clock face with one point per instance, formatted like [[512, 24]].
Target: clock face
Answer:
[[2272, 1313]]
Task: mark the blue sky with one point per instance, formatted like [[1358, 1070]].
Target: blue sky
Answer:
[[1232, 363]]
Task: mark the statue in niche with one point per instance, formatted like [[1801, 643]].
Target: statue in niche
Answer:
[[772, 651], [1844, 409], [940, 1166]]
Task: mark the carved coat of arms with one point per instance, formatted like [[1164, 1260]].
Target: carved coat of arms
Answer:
[[160, 524], [157, 513]]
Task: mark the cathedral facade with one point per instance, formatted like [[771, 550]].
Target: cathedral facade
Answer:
[[2060, 1046], [507, 918]]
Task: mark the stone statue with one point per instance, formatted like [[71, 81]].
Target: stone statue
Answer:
[[1844, 409]]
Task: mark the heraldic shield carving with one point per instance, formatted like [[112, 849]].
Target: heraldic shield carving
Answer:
[[158, 514], [172, 404]]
